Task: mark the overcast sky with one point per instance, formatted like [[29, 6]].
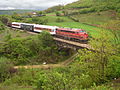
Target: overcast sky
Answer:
[[31, 4]]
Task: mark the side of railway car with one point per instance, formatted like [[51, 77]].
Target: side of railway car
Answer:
[[28, 27], [77, 34], [50, 29], [35, 27], [16, 25]]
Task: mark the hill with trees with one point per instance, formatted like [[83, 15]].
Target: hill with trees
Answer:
[[95, 69], [102, 13]]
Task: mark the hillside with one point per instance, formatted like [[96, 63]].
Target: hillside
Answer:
[[9, 12], [100, 13], [45, 64]]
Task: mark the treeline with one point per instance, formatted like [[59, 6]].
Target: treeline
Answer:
[[85, 6], [54, 9], [10, 12], [95, 5]]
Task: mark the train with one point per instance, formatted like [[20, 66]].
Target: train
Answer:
[[66, 33]]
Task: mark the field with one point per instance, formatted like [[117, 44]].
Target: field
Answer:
[[96, 18], [12, 33]]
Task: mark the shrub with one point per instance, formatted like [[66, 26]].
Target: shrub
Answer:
[[16, 49], [58, 14], [5, 66], [59, 20]]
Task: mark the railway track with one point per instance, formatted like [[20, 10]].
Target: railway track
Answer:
[[83, 45], [62, 64]]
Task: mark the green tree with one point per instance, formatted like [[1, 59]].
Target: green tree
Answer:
[[59, 20], [98, 59], [5, 19], [5, 66], [58, 14]]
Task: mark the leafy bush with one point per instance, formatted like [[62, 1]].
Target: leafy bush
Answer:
[[33, 50], [37, 20], [58, 14], [113, 70], [59, 20], [5, 66], [87, 10], [15, 48]]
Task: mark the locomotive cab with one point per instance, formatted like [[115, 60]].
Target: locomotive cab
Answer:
[[83, 35]]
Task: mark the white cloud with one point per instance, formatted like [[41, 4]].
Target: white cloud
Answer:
[[31, 4]]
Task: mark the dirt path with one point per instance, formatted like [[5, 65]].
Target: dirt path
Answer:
[[49, 66], [116, 84]]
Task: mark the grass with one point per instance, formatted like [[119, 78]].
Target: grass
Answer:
[[93, 31], [94, 18], [13, 34]]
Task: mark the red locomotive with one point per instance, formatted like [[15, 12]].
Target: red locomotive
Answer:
[[74, 34]]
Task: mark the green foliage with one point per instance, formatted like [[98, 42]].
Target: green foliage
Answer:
[[87, 10], [98, 63], [113, 70], [58, 14], [37, 20], [31, 50], [16, 16], [46, 39], [59, 81], [5, 19], [54, 9], [24, 78], [112, 24], [2, 27], [15, 48], [59, 20], [100, 5], [5, 66], [8, 37], [40, 12]]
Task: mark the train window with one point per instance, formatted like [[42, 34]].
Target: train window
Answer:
[[67, 31], [52, 30], [82, 31]]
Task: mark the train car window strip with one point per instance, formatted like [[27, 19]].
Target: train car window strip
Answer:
[[42, 28], [16, 24]]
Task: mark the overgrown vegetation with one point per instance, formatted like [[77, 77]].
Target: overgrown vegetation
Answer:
[[33, 50], [89, 70]]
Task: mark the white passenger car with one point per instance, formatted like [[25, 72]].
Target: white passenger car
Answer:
[[40, 28], [16, 25]]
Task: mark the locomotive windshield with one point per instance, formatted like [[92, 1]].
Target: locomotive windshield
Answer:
[[82, 31]]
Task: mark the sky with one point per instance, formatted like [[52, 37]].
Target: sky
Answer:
[[31, 4]]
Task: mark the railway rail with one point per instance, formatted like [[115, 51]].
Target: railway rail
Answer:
[[62, 64], [77, 44]]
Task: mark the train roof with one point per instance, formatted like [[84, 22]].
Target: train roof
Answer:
[[16, 23], [71, 29], [27, 23], [46, 26]]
